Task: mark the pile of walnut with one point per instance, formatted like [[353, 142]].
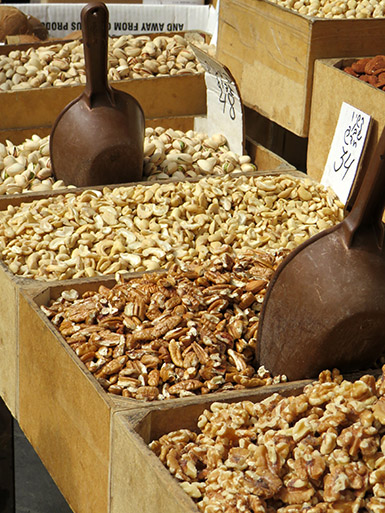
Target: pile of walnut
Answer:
[[172, 334], [370, 70], [322, 451]]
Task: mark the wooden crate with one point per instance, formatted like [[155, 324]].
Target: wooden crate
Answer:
[[331, 87], [271, 50], [158, 96], [139, 481], [67, 415], [265, 160]]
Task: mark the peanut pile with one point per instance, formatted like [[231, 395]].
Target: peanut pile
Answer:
[[370, 70], [168, 154], [128, 57], [322, 451], [351, 9], [174, 334], [147, 227]]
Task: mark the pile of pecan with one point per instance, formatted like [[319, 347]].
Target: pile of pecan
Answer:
[[163, 335], [370, 70], [322, 451]]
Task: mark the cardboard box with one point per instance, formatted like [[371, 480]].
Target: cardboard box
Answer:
[[127, 18], [331, 87], [67, 415], [271, 50]]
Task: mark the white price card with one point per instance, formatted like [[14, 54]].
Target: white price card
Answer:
[[346, 150], [224, 105]]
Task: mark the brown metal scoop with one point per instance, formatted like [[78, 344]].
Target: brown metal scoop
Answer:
[[325, 305], [98, 138]]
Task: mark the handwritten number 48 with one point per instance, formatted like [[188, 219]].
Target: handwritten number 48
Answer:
[[226, 95]]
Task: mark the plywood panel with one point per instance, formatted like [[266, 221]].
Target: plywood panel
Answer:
[[62, 415], [180, 95]]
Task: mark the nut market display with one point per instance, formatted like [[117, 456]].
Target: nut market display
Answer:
[[146, 297]]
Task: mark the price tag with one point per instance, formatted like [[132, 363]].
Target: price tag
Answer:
[[346, 150], [224, 105]]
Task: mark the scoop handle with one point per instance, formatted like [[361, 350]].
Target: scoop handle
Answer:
[[368, 207], [94, 18]]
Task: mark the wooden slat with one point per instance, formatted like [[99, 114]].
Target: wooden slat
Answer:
[[181, 95]]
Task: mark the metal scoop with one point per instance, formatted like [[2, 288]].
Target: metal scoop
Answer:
[[98, 138], [325, 305]]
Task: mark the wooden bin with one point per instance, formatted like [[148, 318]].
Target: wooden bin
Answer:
[[139, 481], [164, 96], [271, 50], [331, 87], [66, 414], [11, 284]]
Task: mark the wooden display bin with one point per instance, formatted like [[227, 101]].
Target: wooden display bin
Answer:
[[164, 96], [67, 415], [134, 467], [331, 87], [270, 50], [11, 284]]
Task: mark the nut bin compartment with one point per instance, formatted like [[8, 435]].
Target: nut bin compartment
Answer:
[[54, 86], [265, 235], [263, 158], [134, 466], [270, 50], [331, 87], [65, 412]]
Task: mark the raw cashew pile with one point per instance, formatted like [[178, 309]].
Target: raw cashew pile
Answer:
[[146, 227]]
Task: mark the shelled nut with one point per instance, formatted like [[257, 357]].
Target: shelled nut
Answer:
[[370, 70], [321, 451], [128, 57], [145, 227], [185, 332]]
